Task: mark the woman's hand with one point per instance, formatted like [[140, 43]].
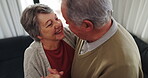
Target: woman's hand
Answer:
[[54, 74]]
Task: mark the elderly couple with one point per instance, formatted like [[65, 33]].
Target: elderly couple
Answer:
[[100, 48]]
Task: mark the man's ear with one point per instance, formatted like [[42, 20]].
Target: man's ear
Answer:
[[39, 37], [88, 25]]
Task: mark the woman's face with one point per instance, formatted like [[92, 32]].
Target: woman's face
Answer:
[[51, 28]]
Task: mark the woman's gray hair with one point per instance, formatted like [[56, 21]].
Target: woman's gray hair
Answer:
[[97, 11], [29, 19]]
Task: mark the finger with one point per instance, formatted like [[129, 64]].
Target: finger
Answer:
[[56, 76], [53, 71], [53, 76], [61, 72]]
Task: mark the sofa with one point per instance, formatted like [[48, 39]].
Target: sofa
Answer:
[[143, 49], [12, 54]]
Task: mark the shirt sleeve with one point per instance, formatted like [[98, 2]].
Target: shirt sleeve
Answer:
[[30, 69]]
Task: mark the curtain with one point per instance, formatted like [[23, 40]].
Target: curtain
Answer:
[[133, 15], [10, 12]]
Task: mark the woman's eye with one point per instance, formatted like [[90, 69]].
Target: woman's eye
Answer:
[[49, 25]]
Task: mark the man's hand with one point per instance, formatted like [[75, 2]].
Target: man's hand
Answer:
[[54, 74], [54, 71]]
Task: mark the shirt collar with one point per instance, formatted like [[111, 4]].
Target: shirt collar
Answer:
[[91, 46]]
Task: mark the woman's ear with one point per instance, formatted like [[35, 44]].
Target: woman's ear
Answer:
[[39, 37], [87, 25]]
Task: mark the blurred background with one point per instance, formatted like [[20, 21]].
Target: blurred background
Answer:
[[132, 14]]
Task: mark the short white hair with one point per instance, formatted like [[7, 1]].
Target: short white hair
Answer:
[[97, 11]]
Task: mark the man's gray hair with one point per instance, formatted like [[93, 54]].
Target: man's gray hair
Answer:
[[97, 11]]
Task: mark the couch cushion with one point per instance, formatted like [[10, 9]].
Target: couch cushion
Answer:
[[13, 47], [143, 48], [12, 55]]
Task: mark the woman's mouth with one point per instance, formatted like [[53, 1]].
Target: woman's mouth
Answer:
[[58, 32]]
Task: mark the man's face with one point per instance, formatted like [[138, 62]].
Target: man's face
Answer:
[[75, 29]]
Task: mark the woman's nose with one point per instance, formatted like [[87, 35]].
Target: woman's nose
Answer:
[[57, 24]]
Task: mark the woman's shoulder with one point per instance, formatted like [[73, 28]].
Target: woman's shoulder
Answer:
[[33, 49], [70, 37]]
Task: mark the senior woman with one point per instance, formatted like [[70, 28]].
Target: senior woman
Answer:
[[53, 45]]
